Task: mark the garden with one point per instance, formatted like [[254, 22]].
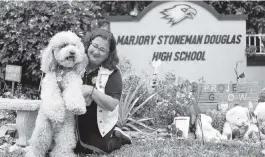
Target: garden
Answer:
[[146, 114]]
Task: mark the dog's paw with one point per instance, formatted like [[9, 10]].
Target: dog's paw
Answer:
[[78, 110], [55, 112], [76, 105]]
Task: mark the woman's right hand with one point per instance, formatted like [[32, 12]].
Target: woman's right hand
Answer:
[[86, 90]]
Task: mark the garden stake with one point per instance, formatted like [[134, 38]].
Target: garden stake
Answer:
[[200, 123], [198, 112], [259, 134]]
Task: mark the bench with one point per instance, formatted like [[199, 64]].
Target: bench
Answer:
[[27, 111]]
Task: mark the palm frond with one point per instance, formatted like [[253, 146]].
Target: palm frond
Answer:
[[144, 119], [134, 93], [142, 104], [140, 123], [133, 104], [130, 107], [133, 127]]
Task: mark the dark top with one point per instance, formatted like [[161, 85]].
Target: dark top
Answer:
[[87, 123]]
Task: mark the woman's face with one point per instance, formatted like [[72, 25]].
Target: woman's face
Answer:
[[98, 51]]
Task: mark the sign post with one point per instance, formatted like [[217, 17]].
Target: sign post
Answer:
[[13, 73]]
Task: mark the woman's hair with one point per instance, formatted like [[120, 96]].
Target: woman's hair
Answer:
[[112, 61]]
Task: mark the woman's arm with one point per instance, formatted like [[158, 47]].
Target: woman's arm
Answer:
[[104, 101], [113, 89]]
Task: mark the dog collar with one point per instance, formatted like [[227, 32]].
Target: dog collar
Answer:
[[62, 71]]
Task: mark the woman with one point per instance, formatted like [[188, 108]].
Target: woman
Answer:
[[96, 131]]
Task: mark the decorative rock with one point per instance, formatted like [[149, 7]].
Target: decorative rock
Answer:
[[161, 130], [5, 145], [160, 139], [163, 134], [14, 148]]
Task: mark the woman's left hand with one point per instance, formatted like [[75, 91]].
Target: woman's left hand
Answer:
[[86, 90]]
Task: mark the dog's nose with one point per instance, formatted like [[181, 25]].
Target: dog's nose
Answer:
[[72, 52]]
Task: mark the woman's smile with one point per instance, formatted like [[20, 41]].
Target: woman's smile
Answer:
[[98, 50], [95, 55]]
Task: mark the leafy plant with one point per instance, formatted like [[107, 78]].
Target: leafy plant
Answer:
[[262, 96], [26, 28], [218, 119], [26, 92], [251, 50], [128, 108]]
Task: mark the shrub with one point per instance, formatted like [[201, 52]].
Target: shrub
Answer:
[[218, 119], [262, 96], [26, 27], [173, 100], [21, 92]]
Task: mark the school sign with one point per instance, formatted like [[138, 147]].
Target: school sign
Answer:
[[191, 39]]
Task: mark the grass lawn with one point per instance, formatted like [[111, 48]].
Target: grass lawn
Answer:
[[187, 148], [178, 148]]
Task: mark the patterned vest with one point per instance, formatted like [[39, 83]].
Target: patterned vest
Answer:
[[106, 119]]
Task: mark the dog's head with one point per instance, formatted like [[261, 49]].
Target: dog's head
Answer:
[[64, 49], [238, 116]]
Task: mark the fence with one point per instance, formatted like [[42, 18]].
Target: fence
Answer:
[[257, 40]]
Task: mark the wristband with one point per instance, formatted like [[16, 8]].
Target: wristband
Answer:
[[92, 92]]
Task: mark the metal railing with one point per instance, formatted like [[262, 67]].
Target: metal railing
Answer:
[[257, 40]]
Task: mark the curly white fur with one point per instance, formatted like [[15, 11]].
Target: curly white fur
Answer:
[[64, 62]]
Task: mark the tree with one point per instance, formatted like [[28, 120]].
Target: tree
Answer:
[[254, 9], [26, 27]]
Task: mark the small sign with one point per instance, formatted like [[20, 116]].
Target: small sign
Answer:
[[182, 127], [13, 73], [225, 96]]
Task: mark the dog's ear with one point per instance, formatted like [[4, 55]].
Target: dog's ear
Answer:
[[47, 59], [81, 67]]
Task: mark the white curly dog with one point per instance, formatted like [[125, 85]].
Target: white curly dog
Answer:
[[64, 62]]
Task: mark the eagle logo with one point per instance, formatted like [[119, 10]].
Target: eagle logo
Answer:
[[178, 13]]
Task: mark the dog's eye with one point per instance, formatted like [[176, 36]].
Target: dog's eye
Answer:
[[62, 46]]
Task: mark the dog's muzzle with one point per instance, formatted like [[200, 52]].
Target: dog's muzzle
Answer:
[[72, 56]]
